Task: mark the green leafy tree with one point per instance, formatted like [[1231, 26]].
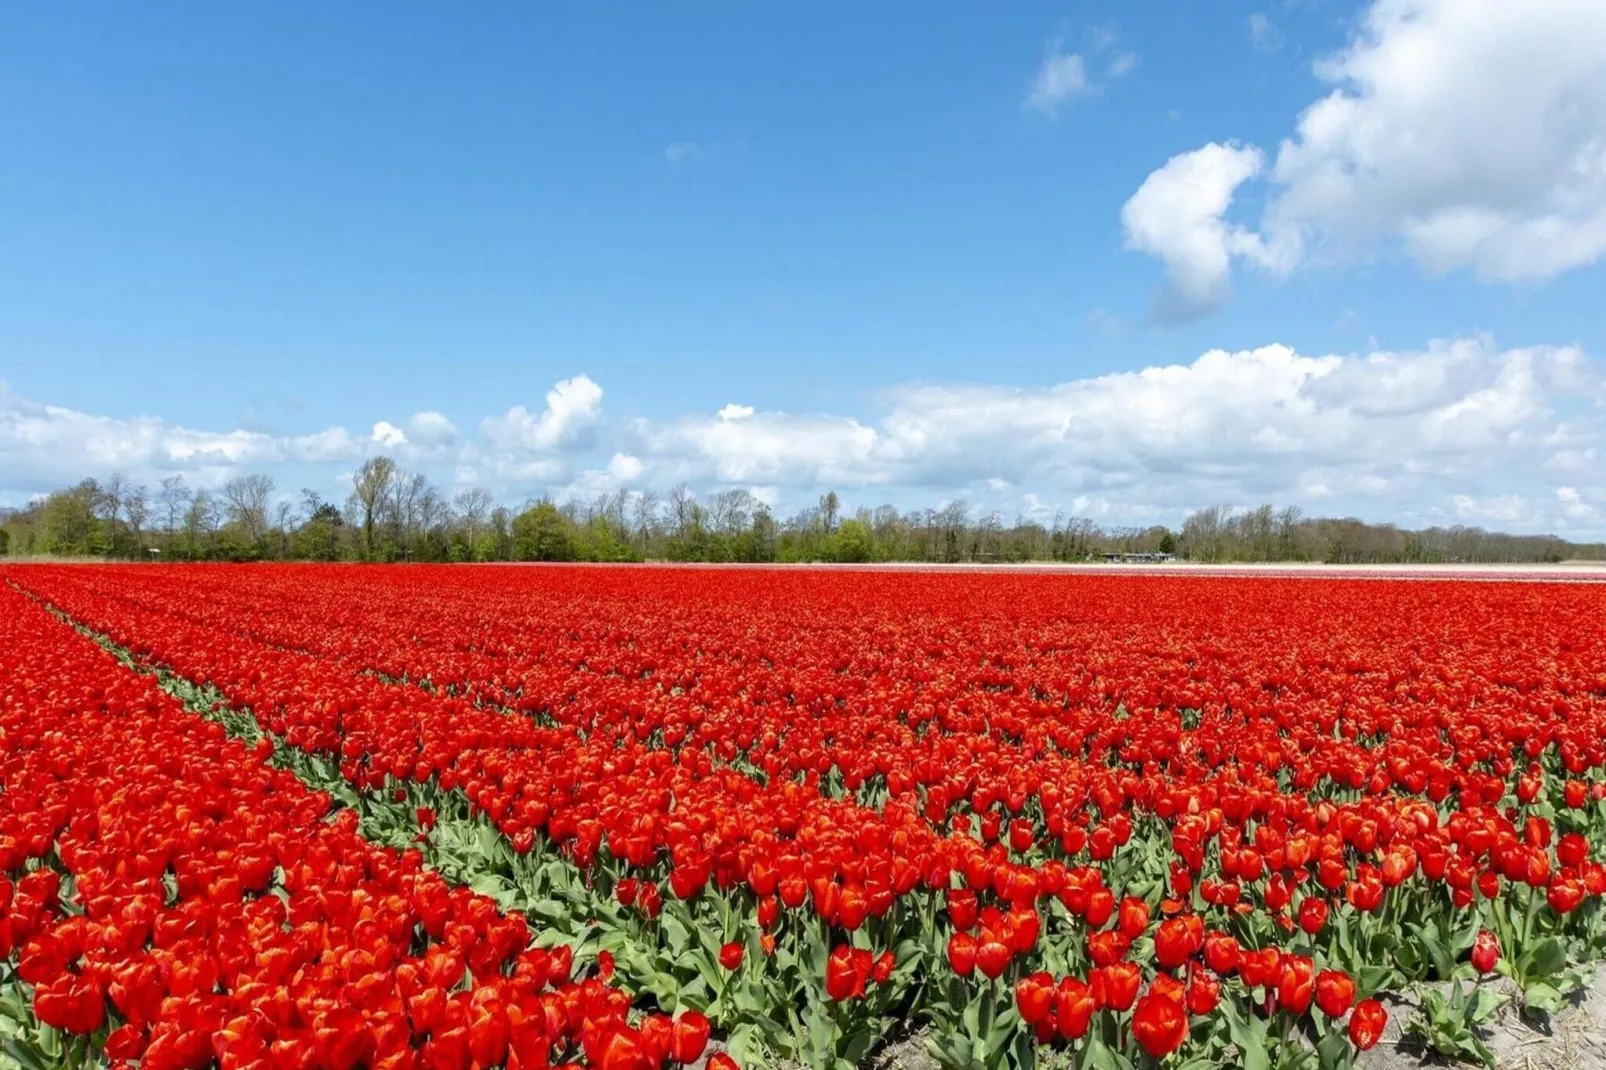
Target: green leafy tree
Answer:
[[72, 526], [319, 538], [853, 542], [542, 533]]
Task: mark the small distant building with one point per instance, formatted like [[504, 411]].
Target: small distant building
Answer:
[[1139, 558]]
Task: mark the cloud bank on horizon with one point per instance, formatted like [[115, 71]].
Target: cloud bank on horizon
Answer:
[[1461, 432]]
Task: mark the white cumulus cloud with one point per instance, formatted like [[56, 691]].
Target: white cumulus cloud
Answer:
[[431, 428], [572, 406], [625, 468], [388, 436], [1471, 134], [1179, 215]]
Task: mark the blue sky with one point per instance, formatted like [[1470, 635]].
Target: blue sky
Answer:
[[908, 237]]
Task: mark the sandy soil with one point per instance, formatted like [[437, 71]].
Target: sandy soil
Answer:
[[1574, 1039], [1566, 572]]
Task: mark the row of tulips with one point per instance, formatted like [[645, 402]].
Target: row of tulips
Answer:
[[792, 669], [171, 899], [1372, 842]]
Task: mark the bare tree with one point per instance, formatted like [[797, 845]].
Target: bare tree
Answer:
[[109, 500], [175, 498], [1202, 533], [371, 488], [728, 511], [989, 536], [136, 508], [433, 512], [501, 525], [406, 492], [830, 505], [611, 507], [248, 497], [951, 520], [202, 519], [1288, 525], [683, 511], [473, 509], [644, 518]]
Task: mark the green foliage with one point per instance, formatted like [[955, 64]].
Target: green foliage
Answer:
[[853, 543], [1449, 1024], [317, 540], [395, 516], [71, 527], [600, 540], [541, 533]]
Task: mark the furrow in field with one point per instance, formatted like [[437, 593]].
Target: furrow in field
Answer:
[[184, 900], [665, 956]]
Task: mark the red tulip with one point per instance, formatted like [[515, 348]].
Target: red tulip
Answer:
[[843, 981], [1100, 905], [1134, 917], [1485, 951], [1221, 953], [1261, 969], [962, 953], [1335, 993], [689, 1037], [962, 908], [1366, 1024], [993, 957], [1565, 895], [852, 907], [1204, 993], [1107, 948], [1297, 984], [1116, 986], [1073, 1008], [1034, 997], [1160, 1024], [1312, 914], [71, 1003], [1174, 943]]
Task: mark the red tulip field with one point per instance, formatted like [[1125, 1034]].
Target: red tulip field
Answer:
[[635, 817]]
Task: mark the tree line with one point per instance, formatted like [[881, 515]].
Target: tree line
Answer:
[[392, 515]]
